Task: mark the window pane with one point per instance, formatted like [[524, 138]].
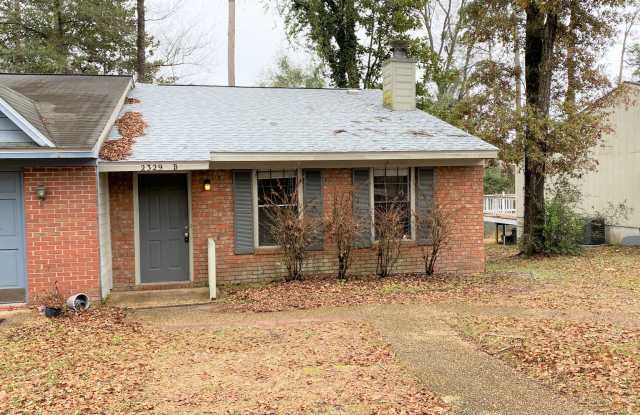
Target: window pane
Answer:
[[393, 191], [277, 187], [406, 217], [275, 190], [390, 188], [264, 228]]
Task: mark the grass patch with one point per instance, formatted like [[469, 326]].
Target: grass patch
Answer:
[[610, 266], [596, 364]]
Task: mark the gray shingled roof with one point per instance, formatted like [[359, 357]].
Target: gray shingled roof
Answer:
[[70, 110], [191, 122], [26, 107]]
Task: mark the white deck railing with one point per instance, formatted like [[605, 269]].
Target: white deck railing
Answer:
[[500, 205]]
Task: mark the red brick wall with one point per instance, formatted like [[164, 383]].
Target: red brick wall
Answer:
[[122, 234], [62, 231], [458, 189]]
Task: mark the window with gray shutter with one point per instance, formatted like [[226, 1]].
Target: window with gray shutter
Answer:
[[312, 195], [243, 212], [362, 207], [424, 202]]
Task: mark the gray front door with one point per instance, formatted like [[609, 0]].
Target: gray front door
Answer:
[[164, 228], [12, 275]]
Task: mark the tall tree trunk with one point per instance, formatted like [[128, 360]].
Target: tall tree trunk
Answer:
[[541, 30], [19, 58], [231, 44], [570, 98], [349, 45], [58, 33], [630, 23], [141, 42], [517, 70]]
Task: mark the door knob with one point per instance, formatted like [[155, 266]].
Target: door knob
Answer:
[[186, 237]]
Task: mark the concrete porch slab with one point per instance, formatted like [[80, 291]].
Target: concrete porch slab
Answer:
[[159, 298]]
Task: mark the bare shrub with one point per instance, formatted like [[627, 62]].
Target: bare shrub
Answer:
[[342, 228], [51, 298], [439, 228], [291, 230], [389, 228]]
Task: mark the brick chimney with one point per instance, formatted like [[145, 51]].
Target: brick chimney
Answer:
[[399, 78]]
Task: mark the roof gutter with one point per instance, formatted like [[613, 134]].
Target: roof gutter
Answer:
[[68, 154], [351, 156]]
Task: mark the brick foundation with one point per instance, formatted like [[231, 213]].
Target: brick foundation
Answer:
[[458, 190], [62, 230]]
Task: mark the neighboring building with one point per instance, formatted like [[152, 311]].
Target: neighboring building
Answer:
[[51, 129], [201, 169], [617, 177]]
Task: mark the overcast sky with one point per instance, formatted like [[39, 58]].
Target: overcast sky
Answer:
[[260, 38]]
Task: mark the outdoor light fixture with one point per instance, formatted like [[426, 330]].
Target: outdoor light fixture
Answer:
[[207, 185], [41, 192]]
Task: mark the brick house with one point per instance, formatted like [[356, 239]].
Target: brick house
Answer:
[[201, 171]]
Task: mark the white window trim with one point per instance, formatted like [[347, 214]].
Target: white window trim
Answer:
[[412, 204], [254, 191]]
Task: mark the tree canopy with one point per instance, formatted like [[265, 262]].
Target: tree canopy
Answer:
[[351, 37], [65, 36], [289, 75]]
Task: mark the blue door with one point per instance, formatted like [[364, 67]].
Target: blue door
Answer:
[[12, 275]]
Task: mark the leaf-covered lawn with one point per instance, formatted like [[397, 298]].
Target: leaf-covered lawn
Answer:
[[602, 266], [95, 362], [400, 289], [101, 362], [596, 364], [307, 368]]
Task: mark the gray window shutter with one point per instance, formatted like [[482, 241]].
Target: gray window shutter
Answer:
[[361, 206], [243, 212], [424, 202], [312, 194]]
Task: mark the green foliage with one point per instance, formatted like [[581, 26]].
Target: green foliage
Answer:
[[351, 37], [289, 75], [564, 227], [497, 180], [64, 36]]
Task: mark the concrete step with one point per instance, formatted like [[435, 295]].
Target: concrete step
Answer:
[[159, 298]]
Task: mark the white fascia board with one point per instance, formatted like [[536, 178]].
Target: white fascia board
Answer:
[[24, 125], [353, 156], [112, 119], [152, 166], [54, 153]]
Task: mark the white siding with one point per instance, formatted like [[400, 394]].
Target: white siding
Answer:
[[618, 176], [11, 134]]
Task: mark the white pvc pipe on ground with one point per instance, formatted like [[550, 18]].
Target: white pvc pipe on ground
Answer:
[[211, 252]]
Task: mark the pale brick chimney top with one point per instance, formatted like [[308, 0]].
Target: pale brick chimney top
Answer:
[[399, 78]]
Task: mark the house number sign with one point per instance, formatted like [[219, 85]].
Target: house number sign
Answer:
[[158, 166]]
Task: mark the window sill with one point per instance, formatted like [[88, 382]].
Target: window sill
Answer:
[[267, 250], [404, 242]]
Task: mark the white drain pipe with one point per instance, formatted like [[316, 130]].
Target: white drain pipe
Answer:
[[213, 291]]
